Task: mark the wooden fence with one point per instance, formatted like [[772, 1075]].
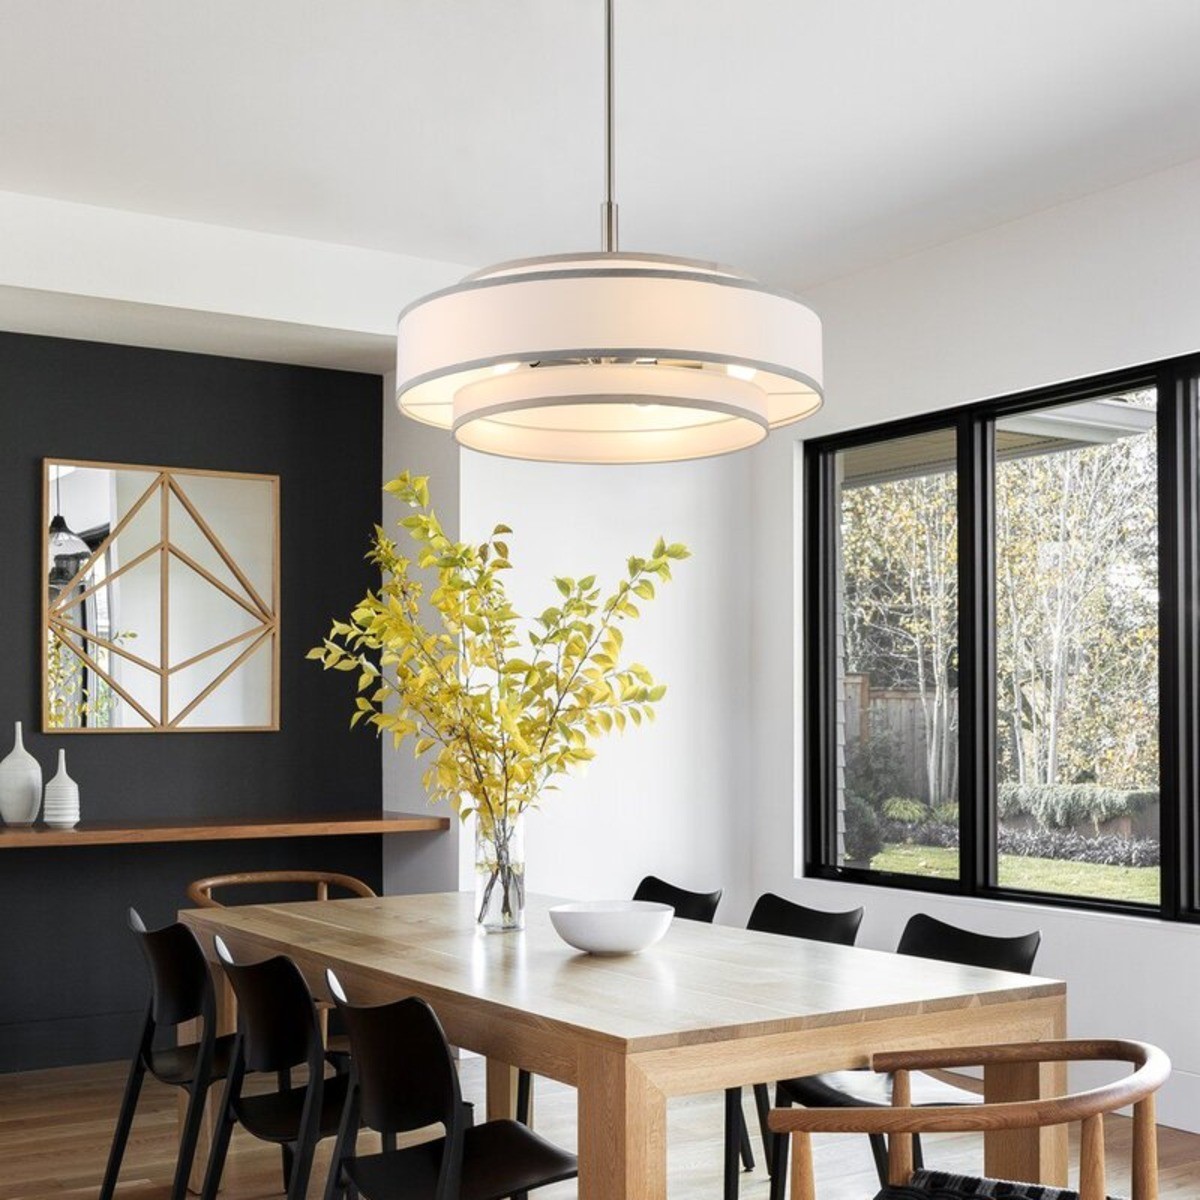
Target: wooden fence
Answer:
[[899, 714]]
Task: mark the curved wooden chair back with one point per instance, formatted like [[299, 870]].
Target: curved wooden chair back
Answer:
[[901, 1121], [200, 891]]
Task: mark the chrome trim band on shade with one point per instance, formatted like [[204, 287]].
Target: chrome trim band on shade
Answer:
[[591, 457], [567, 357], [741, 401], [698, 266], [473, 283]]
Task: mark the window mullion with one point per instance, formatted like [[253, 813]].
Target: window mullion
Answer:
[[819, 582], [1178, 518], [976, 652]]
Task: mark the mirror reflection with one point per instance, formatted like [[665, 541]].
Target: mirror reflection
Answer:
[[161, 600]]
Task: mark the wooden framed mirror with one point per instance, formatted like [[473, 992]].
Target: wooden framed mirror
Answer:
[[161, 604]]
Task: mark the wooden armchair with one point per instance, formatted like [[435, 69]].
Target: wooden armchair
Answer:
[[901, 1121], [200, 891]]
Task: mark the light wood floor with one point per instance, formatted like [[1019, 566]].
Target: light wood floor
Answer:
[[55, 1128]]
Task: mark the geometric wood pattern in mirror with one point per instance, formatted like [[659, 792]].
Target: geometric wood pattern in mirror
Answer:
[[161, 610]]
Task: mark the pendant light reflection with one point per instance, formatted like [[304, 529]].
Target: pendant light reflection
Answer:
[[68, 551]]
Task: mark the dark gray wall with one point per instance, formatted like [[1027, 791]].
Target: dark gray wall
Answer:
[[71, 984]]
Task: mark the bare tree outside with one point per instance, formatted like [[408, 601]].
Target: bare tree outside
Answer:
[[1076, 570]]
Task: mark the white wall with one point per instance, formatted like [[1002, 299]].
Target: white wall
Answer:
[[78, 270], [671, 799], [1093, 285], [418, 862]]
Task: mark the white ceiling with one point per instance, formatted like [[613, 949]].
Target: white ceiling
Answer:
[[800, 139]]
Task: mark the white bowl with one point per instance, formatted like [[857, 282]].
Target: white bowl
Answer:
[[611, 926]]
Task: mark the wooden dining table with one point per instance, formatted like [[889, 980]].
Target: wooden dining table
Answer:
[[708, 1008]]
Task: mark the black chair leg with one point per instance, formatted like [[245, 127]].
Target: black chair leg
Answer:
[[337, 1184], [197, 1095], [220, 1148], [308, 1134], [734, 1124], [762, 1102], [388, 1140], [744, 1137], [302, 1158], [779, 1152], [918, 1153], [880, 1153], [524, 1096], [283, 1079], [133, 1087]]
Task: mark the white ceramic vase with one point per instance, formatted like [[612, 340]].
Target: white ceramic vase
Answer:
[[62, 798], [20, 785]]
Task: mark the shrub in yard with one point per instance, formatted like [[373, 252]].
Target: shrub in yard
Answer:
[[864, 833], [1107, 850], [1063, 805], [874, 768], [930, 833], [901, 808], [946, 814], [1104, 850]]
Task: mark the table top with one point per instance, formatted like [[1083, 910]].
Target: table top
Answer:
[[700, 983]]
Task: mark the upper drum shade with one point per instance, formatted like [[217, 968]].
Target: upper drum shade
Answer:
[[608, 358]]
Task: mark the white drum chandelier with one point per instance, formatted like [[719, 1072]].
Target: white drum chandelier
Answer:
[[608, 357]]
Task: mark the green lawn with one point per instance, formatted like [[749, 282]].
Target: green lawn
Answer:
[[1132, 884]]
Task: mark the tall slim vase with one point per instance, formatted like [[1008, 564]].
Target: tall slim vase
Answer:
[[20, 784], [62, 798]]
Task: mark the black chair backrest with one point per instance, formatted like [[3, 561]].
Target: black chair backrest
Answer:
[[276, 1015], [774, 914], [405, 1072], [179, 978], [691, 906], [927, 937]]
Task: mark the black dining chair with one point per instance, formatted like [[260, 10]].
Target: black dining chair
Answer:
[[774, 914], [923, 937], [402, 1078], [278, 1031], [181, 989], [691, 906]]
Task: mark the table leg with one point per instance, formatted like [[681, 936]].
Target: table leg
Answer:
[[1028, 1155], [622, 1130], [501, 1090], [189, 1031]]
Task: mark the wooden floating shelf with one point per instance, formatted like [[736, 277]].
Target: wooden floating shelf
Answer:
[[115, 833]]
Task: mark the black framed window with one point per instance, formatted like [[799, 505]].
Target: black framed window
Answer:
[[1001, 647], [897, 617]]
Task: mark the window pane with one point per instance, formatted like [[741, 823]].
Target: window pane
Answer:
[[897, 656], [1077, 649]]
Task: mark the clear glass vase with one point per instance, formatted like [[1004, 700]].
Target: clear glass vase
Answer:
[[500, 874]]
